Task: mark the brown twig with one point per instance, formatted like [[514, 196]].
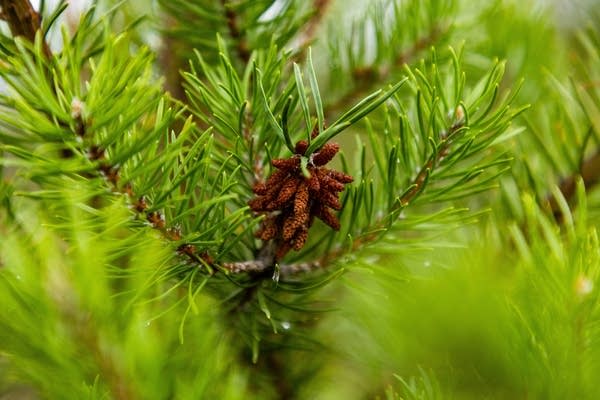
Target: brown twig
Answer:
[[236, 33], [589, 172], [307, 36], [364, 77], [276, 370], [417, 185], [87, 335], [23, 21], [172, 63]]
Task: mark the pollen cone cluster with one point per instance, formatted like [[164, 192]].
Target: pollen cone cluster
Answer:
[[291, 200]]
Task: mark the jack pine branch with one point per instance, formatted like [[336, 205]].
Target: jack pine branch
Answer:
[[263, 91]]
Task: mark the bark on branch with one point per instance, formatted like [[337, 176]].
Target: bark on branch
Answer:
[[590, 174], [23, 21]]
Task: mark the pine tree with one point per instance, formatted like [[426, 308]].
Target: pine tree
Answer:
[[288, 199]]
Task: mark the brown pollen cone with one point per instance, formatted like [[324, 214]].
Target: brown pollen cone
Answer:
[[290, 201]]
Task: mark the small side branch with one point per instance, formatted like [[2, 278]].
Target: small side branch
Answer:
[[236, 33], [258, 266], [108, 368], [418, 183], [172, 63], [23, 20], [590, 174], [307, 36], [364, 77]]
